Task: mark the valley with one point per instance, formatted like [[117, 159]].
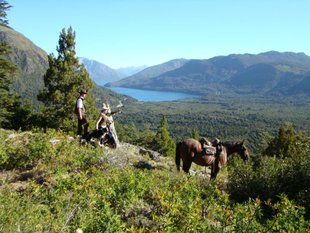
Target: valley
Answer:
[[253, 118]]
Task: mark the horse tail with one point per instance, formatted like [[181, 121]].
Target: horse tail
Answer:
[[177, 156]]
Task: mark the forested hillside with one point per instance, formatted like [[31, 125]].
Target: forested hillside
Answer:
[[141, 79], [271, 73], [32, 62]]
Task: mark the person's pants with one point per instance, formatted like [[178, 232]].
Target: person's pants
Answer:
[[82, 123]]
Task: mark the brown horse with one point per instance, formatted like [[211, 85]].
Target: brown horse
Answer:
[[191, 150]]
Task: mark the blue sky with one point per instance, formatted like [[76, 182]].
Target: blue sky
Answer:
[[122, 33]]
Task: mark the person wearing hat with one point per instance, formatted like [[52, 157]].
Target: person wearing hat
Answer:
[[80, 111], [101, 124], [103, 118]]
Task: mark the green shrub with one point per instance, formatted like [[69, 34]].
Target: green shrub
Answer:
[[287, 217], [24, 150], [272, 176], [3, 153], [84, 191]]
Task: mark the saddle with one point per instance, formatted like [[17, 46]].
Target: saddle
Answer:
[[211, 149]]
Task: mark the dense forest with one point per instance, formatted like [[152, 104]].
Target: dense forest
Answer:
[[253, 118], [51, 183]]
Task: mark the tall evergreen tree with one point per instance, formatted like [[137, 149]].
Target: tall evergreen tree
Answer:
[[195, 134], [8, 69], [63, 80], [281, 145], [163, 141], [4, 7]]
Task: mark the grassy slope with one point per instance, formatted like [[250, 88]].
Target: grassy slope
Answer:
[[53, 185]]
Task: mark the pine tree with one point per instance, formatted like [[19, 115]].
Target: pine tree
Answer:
[[4, 7], [164, 143], [63, 80], [195, 134], [280, 146], [7, 70]]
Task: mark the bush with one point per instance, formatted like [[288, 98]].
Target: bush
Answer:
[[275, 175], [24, 150], [84, 191]]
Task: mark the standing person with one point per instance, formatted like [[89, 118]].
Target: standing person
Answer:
[[112, 127], [80, 111]]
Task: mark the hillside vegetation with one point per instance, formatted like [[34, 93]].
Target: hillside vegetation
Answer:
[[31, 60], [48, 183]]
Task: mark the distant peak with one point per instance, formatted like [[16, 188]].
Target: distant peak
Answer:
[[272, 52]]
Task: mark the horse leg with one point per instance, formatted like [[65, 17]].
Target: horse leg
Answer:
[[178, 156], [187, 165], [215, 169]]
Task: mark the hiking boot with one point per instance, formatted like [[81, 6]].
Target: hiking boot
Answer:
[[83, 141], [93, 143]]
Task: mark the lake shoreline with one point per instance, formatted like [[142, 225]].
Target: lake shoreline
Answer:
[[152, 95]]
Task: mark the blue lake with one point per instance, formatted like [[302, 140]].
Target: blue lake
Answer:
[[146, 95]]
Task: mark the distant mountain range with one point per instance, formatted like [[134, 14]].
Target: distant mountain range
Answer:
[[141, 79], [271, 73], [102, 74], [266, 73], [128, 71]]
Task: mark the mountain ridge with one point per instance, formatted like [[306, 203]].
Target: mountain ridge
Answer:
[[152, 71], [270, 72], [99, 72]]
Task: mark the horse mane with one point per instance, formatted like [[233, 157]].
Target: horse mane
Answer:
[[229, 144]]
